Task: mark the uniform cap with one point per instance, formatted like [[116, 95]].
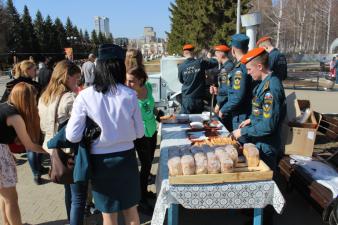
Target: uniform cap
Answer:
[[222, 48], [188, 47], [111, 51], [252, 54], [262, 39], [240, 41]]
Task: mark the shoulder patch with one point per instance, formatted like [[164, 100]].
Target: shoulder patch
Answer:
[[237, 80], [267, 105], [266, 85]]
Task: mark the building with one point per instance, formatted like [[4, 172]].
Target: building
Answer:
[[122, 41], [101, 24], [149, 34]]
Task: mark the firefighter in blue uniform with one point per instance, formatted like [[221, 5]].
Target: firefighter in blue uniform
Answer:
[[268, 108], [191, 73], [238, 106], [277, 60], [220, 87]]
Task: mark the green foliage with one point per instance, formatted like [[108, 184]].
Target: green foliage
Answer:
[[29, 40], [14, 31], [39, 30], [60, 35], [202, 23]]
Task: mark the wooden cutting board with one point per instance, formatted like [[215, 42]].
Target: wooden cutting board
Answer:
[[241, 173]]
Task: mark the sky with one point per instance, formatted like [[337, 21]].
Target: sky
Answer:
[[127, 17]]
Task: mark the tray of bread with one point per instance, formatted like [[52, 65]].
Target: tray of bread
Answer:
[[213, 164]]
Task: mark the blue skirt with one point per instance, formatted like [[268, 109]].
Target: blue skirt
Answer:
[[115, 181]]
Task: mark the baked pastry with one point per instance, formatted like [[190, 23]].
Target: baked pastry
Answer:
[[174, 162], [232, 151], [251, 154], [201, 161], [225, 160], [187, 162]]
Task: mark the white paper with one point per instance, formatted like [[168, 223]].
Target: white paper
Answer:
[[311, 135]]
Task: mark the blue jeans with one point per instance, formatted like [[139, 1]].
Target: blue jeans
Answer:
[[75, 199], [34, 160]]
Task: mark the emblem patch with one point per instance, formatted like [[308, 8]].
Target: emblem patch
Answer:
[[237, 80], [268, 100]]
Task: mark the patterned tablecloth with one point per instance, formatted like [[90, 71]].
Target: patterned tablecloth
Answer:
[[207, 196]]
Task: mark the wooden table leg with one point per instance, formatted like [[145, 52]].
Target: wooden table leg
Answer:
[[173, 215], [258, 216]]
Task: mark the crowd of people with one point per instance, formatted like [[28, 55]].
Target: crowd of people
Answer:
[[115, 95], [112, 92]]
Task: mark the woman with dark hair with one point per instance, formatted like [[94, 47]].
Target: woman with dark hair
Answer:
[[145, 146], [114, 108]]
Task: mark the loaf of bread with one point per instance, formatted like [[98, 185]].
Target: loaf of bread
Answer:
[[251, 154], [214, 165], [174, 162], [187, 162], [232, 151], [227, 165], [201, 161]]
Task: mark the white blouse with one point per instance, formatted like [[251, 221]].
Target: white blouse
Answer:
[[116, 113]]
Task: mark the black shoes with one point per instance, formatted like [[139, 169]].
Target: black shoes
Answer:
[[37, 179]]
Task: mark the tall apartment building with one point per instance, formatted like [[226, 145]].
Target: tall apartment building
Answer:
[[101, 24], [149, 34]]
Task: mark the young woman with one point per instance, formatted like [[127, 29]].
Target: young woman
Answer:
[[18, 115], [145, 146], [25, 71], [55, 106], [114, 107]]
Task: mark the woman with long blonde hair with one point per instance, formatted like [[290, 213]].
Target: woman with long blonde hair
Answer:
[[17, 116], [55, 106]]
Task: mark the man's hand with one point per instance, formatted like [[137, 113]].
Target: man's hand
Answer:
[[237, 133], [213, 90], [216, 110], [245, 123]]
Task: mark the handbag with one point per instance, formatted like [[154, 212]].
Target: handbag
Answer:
[[62, 164]]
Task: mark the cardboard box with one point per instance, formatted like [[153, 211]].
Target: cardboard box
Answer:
[[299, 138]]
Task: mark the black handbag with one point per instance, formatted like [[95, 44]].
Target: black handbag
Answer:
[[62, 164]]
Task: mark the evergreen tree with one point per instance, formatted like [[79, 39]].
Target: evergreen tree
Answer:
[[28, 37], [14, 31], [94, 38], [50, 39], [86, 36], [39, 30], [101, 38], [204, 23], [60, 35], [110, 39], [69, 28], [3, 28]]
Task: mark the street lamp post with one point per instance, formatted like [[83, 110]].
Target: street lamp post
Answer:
[[72, 39]]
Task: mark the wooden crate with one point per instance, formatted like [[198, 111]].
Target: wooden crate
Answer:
[[241, 173]]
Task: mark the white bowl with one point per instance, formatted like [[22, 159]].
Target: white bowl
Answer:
[[196, 125]]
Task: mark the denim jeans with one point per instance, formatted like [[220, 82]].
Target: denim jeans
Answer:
[[75, 199], [34, 160]]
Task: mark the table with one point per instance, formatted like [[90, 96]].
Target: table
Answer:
[[243, 195]]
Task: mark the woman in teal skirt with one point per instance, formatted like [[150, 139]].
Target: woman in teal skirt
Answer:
[[114, 107]]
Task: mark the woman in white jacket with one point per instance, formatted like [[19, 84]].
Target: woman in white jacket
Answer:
[[114, 107]]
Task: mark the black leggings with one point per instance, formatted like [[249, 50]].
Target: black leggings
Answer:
[[145, 148]]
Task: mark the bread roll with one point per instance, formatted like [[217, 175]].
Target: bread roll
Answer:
[[251, 154], [227, 164], [174, 162], [214, 166], [232, 151], [201, 161], [187, 162]]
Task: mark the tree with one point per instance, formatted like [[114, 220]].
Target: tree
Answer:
[[50, 39], [14, 31], [94, 38], [86, 36], [69, 28], [28, 37], [3, 27], [101, 38], [204, 23], [60, 35], [39, 30]]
